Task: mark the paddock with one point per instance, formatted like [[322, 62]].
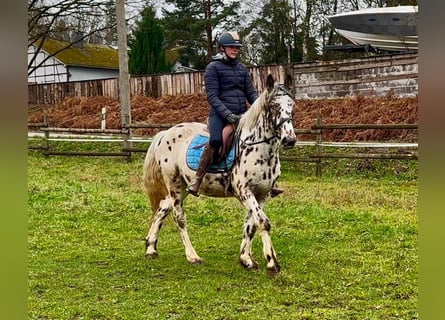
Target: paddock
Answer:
[[347, 243]]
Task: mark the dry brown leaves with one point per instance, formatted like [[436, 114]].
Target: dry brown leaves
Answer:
[[86, 113]]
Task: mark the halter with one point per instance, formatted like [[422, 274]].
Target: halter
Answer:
[[280, 90]]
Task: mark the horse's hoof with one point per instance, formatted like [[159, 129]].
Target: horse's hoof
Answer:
[[196, 261], [249, 266], [193, 193], [273, 271], [152, 255]]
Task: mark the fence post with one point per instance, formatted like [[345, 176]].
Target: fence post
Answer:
[[128, 145], [124, 77], [103, 118], [319, 147], [46, 135]]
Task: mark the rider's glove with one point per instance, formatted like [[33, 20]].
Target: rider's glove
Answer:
[[233, 118]]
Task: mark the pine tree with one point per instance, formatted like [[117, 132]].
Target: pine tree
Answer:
[[147, 45], [190, 26], [274, 29]]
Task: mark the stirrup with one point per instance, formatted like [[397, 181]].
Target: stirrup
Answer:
[[193, 188]]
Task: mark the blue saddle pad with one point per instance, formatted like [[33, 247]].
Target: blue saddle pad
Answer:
[[194, 152]]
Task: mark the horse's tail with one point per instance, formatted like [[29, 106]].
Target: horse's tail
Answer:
[[153, 180]]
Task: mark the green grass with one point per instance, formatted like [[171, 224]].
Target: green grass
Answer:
[[347, 245]]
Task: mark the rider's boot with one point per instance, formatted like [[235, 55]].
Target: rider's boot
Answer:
[[204, 164]]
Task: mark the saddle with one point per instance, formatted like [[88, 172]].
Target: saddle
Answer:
[[226, 154]]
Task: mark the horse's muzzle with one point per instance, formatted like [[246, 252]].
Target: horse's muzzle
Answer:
[[288, 143]]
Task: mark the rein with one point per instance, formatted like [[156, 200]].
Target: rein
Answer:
[[257, 142], [267, 139]]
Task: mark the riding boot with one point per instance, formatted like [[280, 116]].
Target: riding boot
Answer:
[[204, 164], [275, 191]]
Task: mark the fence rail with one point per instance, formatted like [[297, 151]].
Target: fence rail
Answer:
[[53, 134]]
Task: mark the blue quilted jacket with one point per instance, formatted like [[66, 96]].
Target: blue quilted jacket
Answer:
[[228, 85]]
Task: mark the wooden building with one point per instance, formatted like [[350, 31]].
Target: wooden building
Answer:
[[58, 62]]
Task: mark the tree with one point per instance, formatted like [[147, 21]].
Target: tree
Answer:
[[147, 45], [190, 26], [273, 32], [110, 34], [307, 42]]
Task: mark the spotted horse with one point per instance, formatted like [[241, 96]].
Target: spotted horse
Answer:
[[261, 130]]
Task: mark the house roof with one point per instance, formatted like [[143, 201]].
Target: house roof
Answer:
[[90, 55]]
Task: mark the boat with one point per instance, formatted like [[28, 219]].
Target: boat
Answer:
[[384, 29]]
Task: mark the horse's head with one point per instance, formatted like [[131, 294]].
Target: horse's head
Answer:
[[280, 106]]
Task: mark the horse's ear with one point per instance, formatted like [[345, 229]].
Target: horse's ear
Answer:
[[270, 82]]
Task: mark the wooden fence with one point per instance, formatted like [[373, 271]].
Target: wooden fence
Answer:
[[151, 86], [49, 135], [375, 75]]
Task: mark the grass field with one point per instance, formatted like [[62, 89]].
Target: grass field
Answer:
[[346, 242]]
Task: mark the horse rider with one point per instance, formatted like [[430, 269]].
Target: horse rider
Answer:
[[228, 85]]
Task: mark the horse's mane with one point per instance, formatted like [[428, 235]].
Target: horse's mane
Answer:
[[250, 118]]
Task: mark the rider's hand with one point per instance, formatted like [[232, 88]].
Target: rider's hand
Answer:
[[233, 118]]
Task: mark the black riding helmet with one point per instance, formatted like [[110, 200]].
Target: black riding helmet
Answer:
[[229, 39]]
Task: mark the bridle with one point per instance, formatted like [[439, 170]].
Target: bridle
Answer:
[[280, 90], [284, 90]]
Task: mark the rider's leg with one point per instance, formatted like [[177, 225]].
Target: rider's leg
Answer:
[[215, 125], [204, 164]]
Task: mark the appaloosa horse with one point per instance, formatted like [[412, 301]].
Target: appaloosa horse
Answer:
[[256, 168]]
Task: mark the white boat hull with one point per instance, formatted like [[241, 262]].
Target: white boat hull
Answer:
[[382, 41], [389, 28]]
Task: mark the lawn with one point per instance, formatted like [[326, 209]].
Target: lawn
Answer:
[[346, 242]]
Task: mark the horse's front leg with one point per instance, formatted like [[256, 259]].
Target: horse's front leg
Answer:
[[262, 224], [245, 256], [181, 223]]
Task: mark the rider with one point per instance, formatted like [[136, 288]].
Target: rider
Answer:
[[228, 85]]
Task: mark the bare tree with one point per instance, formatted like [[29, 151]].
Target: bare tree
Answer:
[[67, 20], [306, 28]]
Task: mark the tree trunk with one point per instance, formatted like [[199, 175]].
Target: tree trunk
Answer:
[[208, 29]]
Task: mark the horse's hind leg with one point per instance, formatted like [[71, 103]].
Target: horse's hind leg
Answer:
[[181, 223], [151, 240]]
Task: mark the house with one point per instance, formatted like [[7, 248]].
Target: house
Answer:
[[81, 61]]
